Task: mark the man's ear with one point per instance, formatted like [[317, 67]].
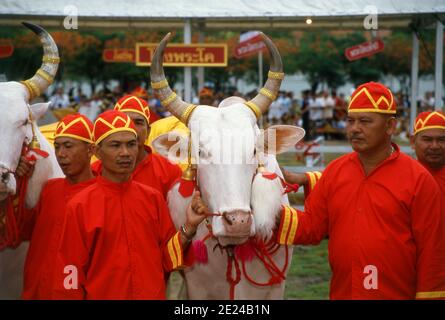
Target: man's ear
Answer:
[[278, 139], [95, 149], [91, 150], [412, 141], [392, 125]]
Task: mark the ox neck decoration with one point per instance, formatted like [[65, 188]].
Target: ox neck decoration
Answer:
[[188, 183], [34, 144], [238, 256], [12, 215], [288, 187]]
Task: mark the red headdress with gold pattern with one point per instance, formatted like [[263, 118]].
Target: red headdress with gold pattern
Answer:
[[131, 103], [429, 120], [372, 97], [110, 122], [75, 126], [206, 92], [139, 92]]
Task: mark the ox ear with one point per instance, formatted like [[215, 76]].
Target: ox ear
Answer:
[[39, 109], [278, 139], [172, 145]]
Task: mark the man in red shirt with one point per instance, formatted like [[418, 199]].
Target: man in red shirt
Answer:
[[151, 169], [73, 146], [118, 238], [429, 143], [380, 209]]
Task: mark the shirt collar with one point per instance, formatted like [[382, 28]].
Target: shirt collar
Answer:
[[113, 186]]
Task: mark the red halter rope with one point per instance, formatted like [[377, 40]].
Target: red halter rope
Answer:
[[262, 251], [14, 218]]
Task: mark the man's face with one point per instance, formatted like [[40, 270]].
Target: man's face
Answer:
[[73, 155], [118, 152], [206, 100], [367, 131], [141, 125], [429, 145]]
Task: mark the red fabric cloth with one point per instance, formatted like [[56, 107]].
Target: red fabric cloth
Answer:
[[391, 219], [44, 227], [118, 236], [154, 171], [439, 176]]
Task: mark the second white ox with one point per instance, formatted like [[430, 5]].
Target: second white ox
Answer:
[[228, 148], [18, 127]]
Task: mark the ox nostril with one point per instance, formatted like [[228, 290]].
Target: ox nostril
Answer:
[[227, 218], [5, 176]]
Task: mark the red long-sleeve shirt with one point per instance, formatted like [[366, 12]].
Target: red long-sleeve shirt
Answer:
[[121, 240], [439, 176], [386, 230], [43, 227]]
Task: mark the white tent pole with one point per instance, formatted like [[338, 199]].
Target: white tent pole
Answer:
[[187, 70], [414, 81], [201, 69], [439, 67]]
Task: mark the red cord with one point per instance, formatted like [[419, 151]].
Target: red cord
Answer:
[[277, 275], [232, 282], [15, 213]]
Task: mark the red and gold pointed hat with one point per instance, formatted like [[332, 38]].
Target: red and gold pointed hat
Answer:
[[75, 126], [131, 103], [429, 120], [110, 122], [372, 97]]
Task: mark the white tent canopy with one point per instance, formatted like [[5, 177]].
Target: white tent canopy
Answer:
[[231, 14]]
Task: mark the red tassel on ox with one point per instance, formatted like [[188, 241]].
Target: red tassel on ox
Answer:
[[245, 252], [200, 251], [186, 187]]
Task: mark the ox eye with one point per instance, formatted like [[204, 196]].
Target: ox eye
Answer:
[[25, 123]]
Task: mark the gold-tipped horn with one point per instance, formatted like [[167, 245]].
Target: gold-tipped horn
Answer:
[[161, 88], [261, 102], [44, 76]]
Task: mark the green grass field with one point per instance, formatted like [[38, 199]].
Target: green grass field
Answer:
[[309, 273]]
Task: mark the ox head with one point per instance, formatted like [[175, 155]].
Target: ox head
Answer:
[[17, 116], [227, 147]]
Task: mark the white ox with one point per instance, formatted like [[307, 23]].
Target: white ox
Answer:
[[17, 118], [228, 145]]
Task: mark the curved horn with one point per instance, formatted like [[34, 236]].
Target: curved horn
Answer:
[[44, 76], [270, 90], [161, 88]]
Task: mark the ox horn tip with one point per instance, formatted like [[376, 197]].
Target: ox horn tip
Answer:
[[167, 37], [33, 27]]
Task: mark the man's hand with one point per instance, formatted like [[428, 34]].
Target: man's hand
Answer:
[[196, 213], [293, 177], [25, 167]]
